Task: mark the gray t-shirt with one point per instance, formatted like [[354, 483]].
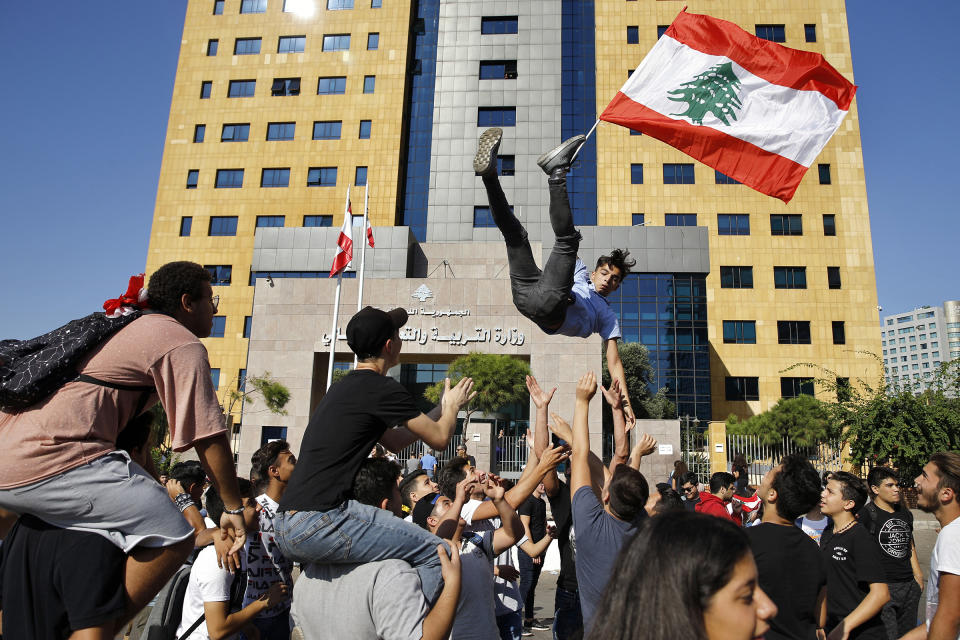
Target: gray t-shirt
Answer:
[[373, 600], [599, 538]]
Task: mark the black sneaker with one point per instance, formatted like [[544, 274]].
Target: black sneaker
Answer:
[[539, 625], [486, 159], [560, 156], [527, 630]]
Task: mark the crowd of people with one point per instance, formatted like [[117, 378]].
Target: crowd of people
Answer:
[[90, 537]]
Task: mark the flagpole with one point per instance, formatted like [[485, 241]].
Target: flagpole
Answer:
[[336, 304], [589, 133], [363, 251]]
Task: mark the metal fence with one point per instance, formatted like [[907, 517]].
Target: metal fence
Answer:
[[510, 456], [760, 457], [418, 448], [695, 451]]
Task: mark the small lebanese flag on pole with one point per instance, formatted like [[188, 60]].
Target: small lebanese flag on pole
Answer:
[[369, 233], [752, 109], [344, 241]]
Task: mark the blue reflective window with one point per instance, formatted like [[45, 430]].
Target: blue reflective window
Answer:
[[229, 178], [247, 326], [337, 5], [740, 331], [205, 88], [506, 165], [633, 35], [218, 7], [322, 177], [376, 4], [327, 129], [786, 224], [193, 176], [279, 177], [733, 224], [790, 277], [824, 170], [215, 377], [771, 32], [810, 32], [331, 85], [369, 83], [680, 220], [220, 274], [365, 129], [285, 87], [578, 102], [360, 176], [219, 326], [498, 69], [318, 221], [678, 173], [253, 6], [235, 133], [199, 132], [246, 46], [336, 42], [242, 88], [636, 173], [223, 226], [270, 221], [736, 277], [662, 29], [269, 434], [720, 178], [291, 44], [496, 116], [186, 224], [482, 217], [637, 219], [493, 25], [281, 130], [212, 46], [373, 41]]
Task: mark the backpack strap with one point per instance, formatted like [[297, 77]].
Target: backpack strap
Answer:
[[144, 390], [193, 627]]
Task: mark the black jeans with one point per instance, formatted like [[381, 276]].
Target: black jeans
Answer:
[[543, 296], [899, 615], [529, 577]]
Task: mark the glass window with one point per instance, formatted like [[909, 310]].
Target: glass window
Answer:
[[193, 175], [739, 332], [839, 333], [360, 177], [662, 29], [337, 5], [680, 220], [318, 221], [369, 83], [636, 219], [829, 224], [281, 130], [736, 277], [220, 274], [793, 332], [733, 224], [483, 218], [253, 6], [205, 88], [376, 4], [793, 387], [242, 88], [246, 46], [790, 277], [215, 376], [373, 41], [199, 131], [322, 177], [336, 42], [285, 87], [741, 388], [229, 178], [633, 35], [212, 46], [498, 24], [678, 173], [772, 32], [269, 221], [636, 173], [824, 170], [247, 325], [186, 224], [331, 85], [496, 116], [498, 69], [810, 32], [291, 44], [218, 7], [223, 226], [219, 325], [833, 277], [275, 178], [235, 132], [327, 129], [721, 178], [786, 224], [506, 165], [365, 128]]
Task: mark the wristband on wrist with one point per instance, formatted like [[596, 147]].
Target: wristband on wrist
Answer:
[[184, 501], [234, 512]]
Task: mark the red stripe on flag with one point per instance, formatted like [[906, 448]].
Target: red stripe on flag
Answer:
[[803, 70], [762, 170]]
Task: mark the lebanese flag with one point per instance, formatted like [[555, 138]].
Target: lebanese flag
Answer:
[[344, 243], [752, 109], [369, 233]]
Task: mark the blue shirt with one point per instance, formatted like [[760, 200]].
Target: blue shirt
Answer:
[[590, 312], [428, 462]]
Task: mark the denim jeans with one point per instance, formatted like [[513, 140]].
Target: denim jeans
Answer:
[[275, 627], [357, 533], [567, 619], [529, 576], [543, 296], [510, 626]]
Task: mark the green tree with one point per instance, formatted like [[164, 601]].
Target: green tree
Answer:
[[714, 91], [804, 419], [639, 376], [499, 380]]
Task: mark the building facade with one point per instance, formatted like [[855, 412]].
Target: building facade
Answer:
[[279, 106], [915, 343]]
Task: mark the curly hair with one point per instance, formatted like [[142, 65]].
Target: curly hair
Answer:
[[617, 258], [168, 284]]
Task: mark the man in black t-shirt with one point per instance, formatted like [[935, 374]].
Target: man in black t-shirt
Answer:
[[567, 617], [318, 520], [690, 484], [790, 568], [856, 588], [891, 525], [533, 515]]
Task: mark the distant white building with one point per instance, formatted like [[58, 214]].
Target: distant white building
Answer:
[[915, 343]]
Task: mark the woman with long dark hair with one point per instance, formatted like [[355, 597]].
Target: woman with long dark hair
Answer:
[[680, 470], [684, 575]]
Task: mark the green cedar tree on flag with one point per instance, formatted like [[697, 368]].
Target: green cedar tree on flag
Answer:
[[752, 109]]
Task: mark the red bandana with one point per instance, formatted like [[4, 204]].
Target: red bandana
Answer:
[[133, 300]]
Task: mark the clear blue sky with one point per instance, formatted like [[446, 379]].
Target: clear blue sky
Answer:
[[84, 116]]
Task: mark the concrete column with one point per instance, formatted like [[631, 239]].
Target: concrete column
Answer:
[[481, 442], [718, 447]]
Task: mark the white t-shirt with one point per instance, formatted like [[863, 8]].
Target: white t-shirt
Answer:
[[208, 583], [814, 528], [944, 559]]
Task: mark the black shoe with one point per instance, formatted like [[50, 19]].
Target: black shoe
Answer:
[[486, 159], [539, 625], [560, 157]]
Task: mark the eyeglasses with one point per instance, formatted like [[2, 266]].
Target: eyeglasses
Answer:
[[216, 303], [688, 489]]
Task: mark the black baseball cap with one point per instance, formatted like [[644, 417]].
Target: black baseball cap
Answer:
[[370, 328], [423, 509]]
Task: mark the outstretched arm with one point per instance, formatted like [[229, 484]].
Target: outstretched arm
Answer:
[[598, 473], [621, 445], [615, 366], [580, 460], [526, 485], [541, 438], [436, 433]]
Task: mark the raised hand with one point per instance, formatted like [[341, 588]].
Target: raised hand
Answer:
[[561, 428], [553, 457], [646, 444], [456, 397], [450, 564], [539, 397], [613, 395], [587, 386], [493, 490]]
